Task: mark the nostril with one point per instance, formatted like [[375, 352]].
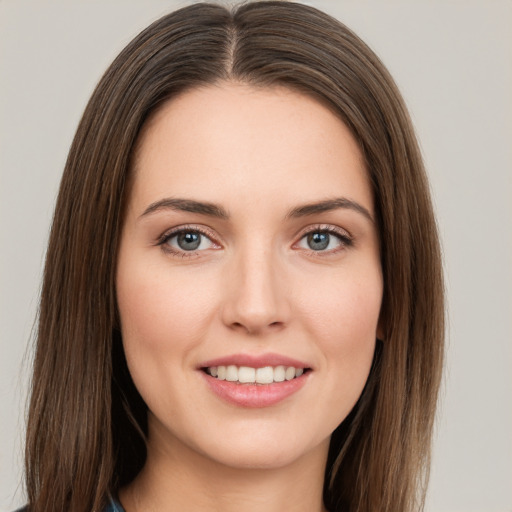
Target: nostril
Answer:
[[255, 328]]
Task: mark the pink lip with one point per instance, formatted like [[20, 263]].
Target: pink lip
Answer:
[[255, 395], [255, 361]]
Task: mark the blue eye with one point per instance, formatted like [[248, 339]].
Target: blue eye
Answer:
[[323, 240], [318, 241], [187, 240]]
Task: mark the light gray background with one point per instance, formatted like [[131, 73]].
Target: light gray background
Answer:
[[453, 63]]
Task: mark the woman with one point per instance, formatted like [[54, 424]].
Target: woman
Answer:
[[242, 302]]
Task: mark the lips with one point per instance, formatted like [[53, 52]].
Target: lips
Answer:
[[255, 381], [255, 361]]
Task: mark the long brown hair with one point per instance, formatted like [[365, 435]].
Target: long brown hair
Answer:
[[87, 423]]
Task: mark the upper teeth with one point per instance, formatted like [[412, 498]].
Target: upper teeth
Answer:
[[246, 374]]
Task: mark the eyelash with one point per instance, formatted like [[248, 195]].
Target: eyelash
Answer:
[[346, 240], [343, 236], [164, 239]]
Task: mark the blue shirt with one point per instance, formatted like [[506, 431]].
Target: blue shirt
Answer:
[[114, 506]]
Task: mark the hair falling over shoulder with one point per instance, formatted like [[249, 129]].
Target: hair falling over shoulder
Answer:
[[87, 423]]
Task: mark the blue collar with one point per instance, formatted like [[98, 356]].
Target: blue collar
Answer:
[[113, 506]]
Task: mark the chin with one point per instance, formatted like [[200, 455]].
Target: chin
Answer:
[[264, 451], [256, 459]]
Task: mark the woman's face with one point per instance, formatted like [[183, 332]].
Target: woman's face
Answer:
[[249, 282]]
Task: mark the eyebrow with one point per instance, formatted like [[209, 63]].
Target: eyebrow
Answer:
[[214, 210], [187, 205], [329, 205]]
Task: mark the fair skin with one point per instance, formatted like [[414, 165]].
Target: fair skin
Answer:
[[261, 278]]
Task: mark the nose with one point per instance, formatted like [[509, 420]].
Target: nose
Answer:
[[256, 300]]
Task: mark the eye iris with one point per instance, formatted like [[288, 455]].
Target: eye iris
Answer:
[[189, 241], [318, 241]]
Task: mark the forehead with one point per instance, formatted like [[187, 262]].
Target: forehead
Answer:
[[218, 138]]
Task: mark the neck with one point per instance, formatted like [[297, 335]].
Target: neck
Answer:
[[180, 479]]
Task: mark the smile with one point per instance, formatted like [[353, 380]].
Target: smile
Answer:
[[249, 375], [250, 381]]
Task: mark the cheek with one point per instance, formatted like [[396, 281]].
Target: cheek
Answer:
[[164, 315], [342, 309], [158, 306], [342, 316]]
